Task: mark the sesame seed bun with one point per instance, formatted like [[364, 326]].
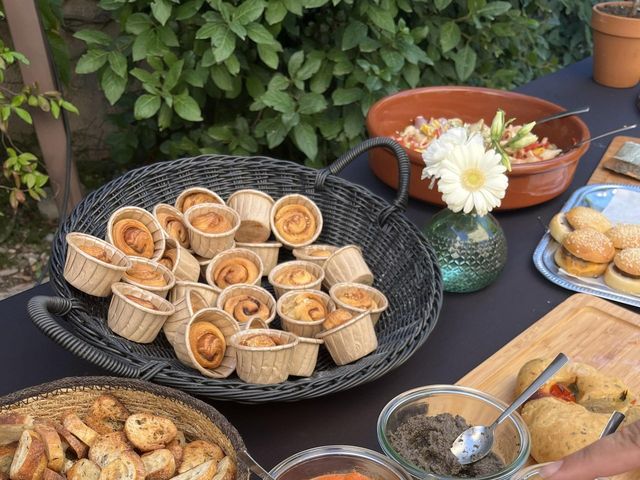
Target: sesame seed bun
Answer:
[[628, 261], [559, 227], [576, 266], [625, 235], [589, 245], [624, 273], [585, 217]]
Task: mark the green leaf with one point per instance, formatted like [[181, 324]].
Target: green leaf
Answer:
[[118, 63], [268, 55], [345, 96], [93, 37], [465, 62], [146, 106], [353, 122], [238, 29], [187, 9], [354, 35], [164, 117], [276, 11], [248, 11], [91, 61], [442, 4], [393, 59], [187, 108], [276, 132], [23, 114], [255, 86], [145, 77], [278, 82], [221, 78], [69, 107], [411, 74], [295, 62], [294, 6], [197, 77], [141, 45], [138, 23], [113, 85], [494, 9], [311, 65], [233, 65], [449, 36], [168, 36], [225, 45], [311, 103], [55, 109], [260, 34], [279, 101], [306, 139], [173, 75], [381, 18], [211, 29], [161, 10], [321, 81]]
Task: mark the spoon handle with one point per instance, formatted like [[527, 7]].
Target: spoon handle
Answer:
[[548, 372], [557, 116], [253, 465], [612, 425], [605, 134]]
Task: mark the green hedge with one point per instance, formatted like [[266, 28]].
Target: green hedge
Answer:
[[295, 78]]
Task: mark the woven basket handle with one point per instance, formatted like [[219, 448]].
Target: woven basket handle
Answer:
[[41, 310], [400, 203]]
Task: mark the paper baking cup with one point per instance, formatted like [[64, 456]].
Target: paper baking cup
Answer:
[[254, 209], [303, 253], [300, 327], [232, 253], [308, 266], [208, 245], [225, 324], [169, 278], [268, 253], [180, 290], [133, 321], [255, 291], [170, 210], [204, 263], [186, 307], [377, 295], [189, 191], [186, 267], [296, 199], [305, 357], [87, 273], [147, 219], [352, 340], [347, 265], [254, 323], [264, 366]]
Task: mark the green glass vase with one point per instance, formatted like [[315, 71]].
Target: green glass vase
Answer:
[[471, 250]]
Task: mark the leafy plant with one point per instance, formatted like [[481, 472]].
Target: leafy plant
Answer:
[[296, 77]]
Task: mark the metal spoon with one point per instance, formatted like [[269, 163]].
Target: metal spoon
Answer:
[[476, 442], [557, 116], [248, 460], [602, 135]]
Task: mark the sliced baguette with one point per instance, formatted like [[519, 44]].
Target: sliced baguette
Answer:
[[176, 447], [78, 448], [72, 422], [12, 425], [109, 447], [198, 452], [204, 471], [6, 456], [51, 475], [30, 459], [128, 466], [149, 432], [68, 465], [159, 464], [226, 470], [107, 414], [52, 445], [84, 469]]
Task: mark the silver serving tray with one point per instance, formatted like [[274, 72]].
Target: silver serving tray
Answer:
[[597, 197]]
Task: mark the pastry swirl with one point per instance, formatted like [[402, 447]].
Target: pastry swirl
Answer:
[[142, 302], [145, 275], [243, 307], [175, 227], [306, 307], [211, 222], [133, 238], [96, 252], [259, 341], [169, 258], [295, 223], [295, 276], [319, 252], [336, 318], [233, 270], [196, 198], [207, 344], [357, 298]]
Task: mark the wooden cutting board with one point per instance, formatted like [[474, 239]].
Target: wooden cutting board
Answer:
[[604, 175], [585, 328]]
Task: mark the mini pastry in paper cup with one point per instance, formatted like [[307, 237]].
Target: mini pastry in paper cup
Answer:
[[209, 293], [172, 223], [211, 228], [347, 265], [316, 253], [233, 267], [137, 314], [203, 343], [303, 311], [186, 307], [196, 196], [136, 233], [179, 260], [204, 263], [245, 302], [150, 276], [305, 357], [268, 253], [263, 356], [93, 265], [254, 209], [360, 298], [296, 220], [348, 336], [296, 275]]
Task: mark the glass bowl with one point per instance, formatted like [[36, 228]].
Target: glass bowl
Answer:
[[330, 459], [511, 437]]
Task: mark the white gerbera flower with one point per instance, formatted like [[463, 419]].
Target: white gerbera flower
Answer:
[[439, 149], [472, 179]]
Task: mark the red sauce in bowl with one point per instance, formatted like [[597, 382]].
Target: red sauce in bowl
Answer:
[[343, 476]]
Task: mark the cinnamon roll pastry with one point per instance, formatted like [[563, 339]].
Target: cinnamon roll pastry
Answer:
[[145, 275], [357, 298], [196, 198], [174, 226], [336, 318], [133, 238], [142, 302], [211, 222], [207, 344], [295, 223], [305, 307], [295, 276], [96, 252], [233, 270], [244, 307], [259, 341], [319, 252], [169, 258]]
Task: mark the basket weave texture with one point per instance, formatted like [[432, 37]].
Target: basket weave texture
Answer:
[[401, 260]]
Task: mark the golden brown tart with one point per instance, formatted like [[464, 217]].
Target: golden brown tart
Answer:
[[294, 276], [96, 252], [295, 223], [133, 238], [336, 318], [357, 298], [142, 302], [174, 226], [243, 307], [259, 341], [211, 222], [306, 307], [196, 198], [234, 270], [207, 344], [169, 258], [145, 275]]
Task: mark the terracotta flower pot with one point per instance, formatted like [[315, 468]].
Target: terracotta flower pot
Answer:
[[616, 47]]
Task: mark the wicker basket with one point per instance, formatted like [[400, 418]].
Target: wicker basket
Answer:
[[402, 261], [194, 417]]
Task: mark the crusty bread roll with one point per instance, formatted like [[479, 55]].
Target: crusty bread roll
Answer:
[[51, 475], [79, 449], [52, 446], [585, 253], [226, 470], [109, 447], [84, 469], [198, 452], [204, 471], [77, 427], [6, 456], [128, 466], [149, 432], [30, 459], [12, 425], [107, 414], [176, 447], [159, 464]]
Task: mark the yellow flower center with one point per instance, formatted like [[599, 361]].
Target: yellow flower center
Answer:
[[473, 179]]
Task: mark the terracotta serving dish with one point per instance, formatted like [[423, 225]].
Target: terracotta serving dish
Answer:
[[529, 184]]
